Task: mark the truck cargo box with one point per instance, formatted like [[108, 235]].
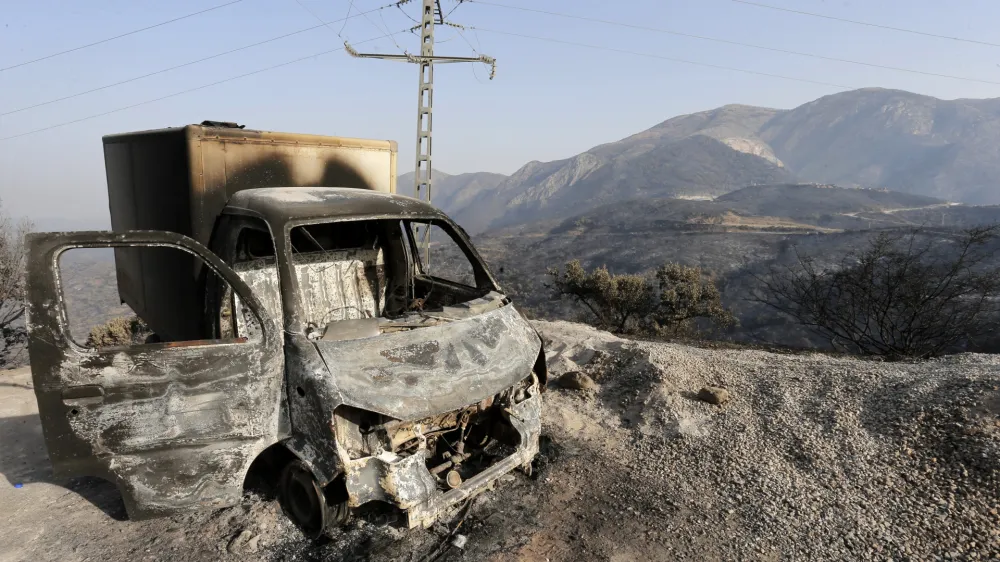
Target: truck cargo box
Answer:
[[179, 179]]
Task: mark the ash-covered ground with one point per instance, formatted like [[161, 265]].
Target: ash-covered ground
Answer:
[[812, 457]]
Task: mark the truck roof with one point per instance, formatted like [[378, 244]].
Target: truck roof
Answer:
[[279, 205]]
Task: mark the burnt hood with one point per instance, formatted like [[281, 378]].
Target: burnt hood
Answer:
[[425, 371]]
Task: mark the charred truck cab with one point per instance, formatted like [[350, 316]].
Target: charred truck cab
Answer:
[[351, 336]]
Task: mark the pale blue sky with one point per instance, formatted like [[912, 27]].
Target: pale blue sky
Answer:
[[548, 100]]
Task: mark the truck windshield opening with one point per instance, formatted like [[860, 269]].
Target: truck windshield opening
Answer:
[[380, 269]]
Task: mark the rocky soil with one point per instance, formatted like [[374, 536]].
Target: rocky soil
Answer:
[[811, 457]]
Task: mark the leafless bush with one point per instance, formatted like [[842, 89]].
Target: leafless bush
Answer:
[[12, 262], [908, 294], [667, 304]]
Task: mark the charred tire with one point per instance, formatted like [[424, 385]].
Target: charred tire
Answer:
[[306, 503]]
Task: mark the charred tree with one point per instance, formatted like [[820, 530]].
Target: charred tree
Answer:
[[907, 294]]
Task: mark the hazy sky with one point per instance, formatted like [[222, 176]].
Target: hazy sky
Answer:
[[548, 100]]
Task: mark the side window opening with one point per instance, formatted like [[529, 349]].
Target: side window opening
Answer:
[[99, 316], [438, 255], [254, 242], [254, 260], [443, 273]]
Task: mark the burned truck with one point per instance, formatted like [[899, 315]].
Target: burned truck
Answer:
[[310, 327]]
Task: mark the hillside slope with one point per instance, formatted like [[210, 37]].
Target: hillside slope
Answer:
[[746, 229], [811, 200]]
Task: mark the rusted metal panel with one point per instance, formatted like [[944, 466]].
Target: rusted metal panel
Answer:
[[174, 427], [313, 397], [281, 206], [261, 275], [401, 481], [426, 371]]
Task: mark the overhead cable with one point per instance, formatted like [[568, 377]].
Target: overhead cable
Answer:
[[195, 89], [737, 43], [182, 65], [133, 32], [869, 24], [664, 57]]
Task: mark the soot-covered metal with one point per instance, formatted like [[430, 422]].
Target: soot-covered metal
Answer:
[[329, 373]]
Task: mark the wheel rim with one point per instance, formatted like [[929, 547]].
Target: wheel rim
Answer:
[[304, 501]]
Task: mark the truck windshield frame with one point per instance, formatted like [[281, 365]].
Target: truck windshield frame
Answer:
[[300, 321]]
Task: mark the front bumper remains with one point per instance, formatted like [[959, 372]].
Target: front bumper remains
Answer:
[[407, 483]]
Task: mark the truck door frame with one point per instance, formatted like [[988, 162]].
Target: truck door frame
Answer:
[[174, 425]]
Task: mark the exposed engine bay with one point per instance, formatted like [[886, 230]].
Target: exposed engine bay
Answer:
[[449, 441], [412, 464]]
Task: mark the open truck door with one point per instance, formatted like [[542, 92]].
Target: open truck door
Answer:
[[175, 425]]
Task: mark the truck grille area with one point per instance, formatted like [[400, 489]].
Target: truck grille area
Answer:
[[454, 455]]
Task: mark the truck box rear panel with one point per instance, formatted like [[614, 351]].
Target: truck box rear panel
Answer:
[[180, 179]]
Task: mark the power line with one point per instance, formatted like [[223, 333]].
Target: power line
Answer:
[[182, 65], [350, 7], [868, 24], [737, 43], [324, 23], [385, 27], [662, 57], [189, 90], [154, 26], [452, 11], [400, 6], [459, 28]]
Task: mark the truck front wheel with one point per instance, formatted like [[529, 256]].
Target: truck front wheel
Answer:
[[310, 507]]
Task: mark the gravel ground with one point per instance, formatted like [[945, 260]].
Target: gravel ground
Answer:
[[813, 457]]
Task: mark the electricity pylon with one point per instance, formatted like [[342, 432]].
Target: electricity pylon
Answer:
[[430, 15]]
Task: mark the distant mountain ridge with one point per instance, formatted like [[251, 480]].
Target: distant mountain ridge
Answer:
[[910, 143], [894, 139], [451, 192]]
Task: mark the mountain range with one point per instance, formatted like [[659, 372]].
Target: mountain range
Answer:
[[871, 138]]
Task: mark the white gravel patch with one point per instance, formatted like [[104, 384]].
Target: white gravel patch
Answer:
[[815, 457]]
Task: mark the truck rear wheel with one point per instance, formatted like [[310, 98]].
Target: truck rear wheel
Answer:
[[310, 507]]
